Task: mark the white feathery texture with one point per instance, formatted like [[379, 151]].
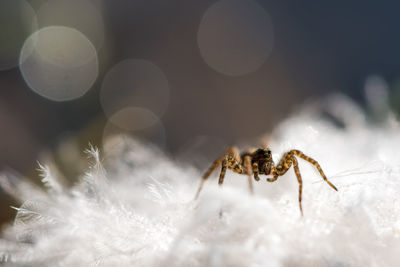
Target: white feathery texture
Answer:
[[136, 208]]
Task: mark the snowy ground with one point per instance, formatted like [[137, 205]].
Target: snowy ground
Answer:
[[136, 208]]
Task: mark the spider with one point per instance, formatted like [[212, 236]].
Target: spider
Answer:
[[259, 161]]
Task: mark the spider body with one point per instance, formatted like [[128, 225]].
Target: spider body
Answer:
[[259, 161]]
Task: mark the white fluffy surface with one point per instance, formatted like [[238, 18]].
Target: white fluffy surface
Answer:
[[137, 208]]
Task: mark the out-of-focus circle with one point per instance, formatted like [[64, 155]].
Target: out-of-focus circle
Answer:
[[119, 125], [134, 118], [77, 14], [17, 22], [134, 83], [235, 37], [59, 63]]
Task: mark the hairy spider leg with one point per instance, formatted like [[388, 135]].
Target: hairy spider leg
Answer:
[[285, 163], [213, 166], [298, 175], [247, 167], [255, 171], [231, 163], [283, 166], [313, 162], [230, 151], [273, 179]]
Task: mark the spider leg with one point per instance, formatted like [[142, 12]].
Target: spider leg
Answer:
[[283, 166], [223, 171], [255, 171], [229, 160], [206, 175], [298, 175], [247, 167], [231, 163], [273, 179], [313, 162]]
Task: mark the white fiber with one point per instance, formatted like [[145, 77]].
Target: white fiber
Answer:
[[135, 207]]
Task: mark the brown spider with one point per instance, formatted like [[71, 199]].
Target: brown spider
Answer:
[[260, 161]]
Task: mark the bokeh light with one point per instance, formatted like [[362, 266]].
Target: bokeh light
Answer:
[[135, 83], [235, 37], [81, 15], [134, 118], [17, 22], [59, 63], [137, 123]]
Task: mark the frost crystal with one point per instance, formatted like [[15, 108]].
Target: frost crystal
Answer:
[[138, 210]]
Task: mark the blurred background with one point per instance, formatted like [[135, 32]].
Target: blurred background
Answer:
[[189, 76]]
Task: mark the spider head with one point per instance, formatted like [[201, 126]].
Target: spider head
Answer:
[[263, 157], [264, 153]]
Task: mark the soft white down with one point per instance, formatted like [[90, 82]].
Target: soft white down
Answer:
[[136, 207]]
